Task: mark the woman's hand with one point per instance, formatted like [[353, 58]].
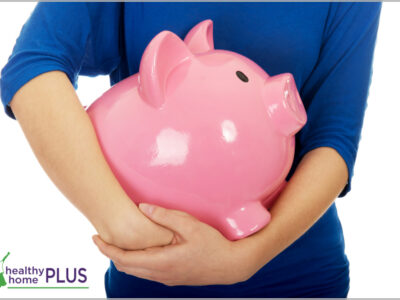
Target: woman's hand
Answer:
[[199, 254]]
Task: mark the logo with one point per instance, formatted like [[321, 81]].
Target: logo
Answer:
[[36, 277], [2, 279]]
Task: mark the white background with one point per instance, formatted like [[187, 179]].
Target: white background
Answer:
[[40, 227]]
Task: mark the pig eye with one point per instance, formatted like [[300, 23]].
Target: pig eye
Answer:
[[241, 76]]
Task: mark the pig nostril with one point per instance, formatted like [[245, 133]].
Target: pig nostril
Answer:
[[242, 76]]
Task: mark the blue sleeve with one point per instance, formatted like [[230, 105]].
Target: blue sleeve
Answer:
[[335, 94], [75, 38]]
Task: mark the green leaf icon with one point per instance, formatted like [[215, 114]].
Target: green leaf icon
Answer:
[[2, 279]]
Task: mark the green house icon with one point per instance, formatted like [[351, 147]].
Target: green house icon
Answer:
[[2, 279]]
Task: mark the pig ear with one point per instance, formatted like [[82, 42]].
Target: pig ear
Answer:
[[164, 53], [200, 37], [284, 104]]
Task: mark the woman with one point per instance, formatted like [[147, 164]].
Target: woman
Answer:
[[328, 47]]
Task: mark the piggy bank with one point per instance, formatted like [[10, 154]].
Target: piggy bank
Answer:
[[201, 130]]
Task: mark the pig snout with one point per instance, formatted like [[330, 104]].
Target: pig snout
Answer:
[[283, 103]]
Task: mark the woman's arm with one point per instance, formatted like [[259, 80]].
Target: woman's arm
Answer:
[[64, 141], [201, 255]]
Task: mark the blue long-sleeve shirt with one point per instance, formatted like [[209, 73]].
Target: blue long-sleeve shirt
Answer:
[[328, 47]]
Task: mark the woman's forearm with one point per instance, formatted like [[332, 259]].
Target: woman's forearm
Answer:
[[317, 181], [64, 141]]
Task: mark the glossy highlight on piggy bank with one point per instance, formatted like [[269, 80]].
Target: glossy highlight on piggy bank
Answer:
[[201, 130]]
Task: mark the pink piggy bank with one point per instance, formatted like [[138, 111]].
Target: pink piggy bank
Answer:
[[201, 130]]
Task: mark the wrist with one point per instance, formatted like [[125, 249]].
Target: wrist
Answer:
[[113, 219], [124, 226], [248, 257]]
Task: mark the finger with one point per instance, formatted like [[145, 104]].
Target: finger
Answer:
[[151, 258], [141, 273], [176, 220]]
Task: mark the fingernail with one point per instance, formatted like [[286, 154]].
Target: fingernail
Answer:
[[147, 209]]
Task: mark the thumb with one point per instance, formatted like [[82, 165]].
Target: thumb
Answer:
[[174, 220]]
